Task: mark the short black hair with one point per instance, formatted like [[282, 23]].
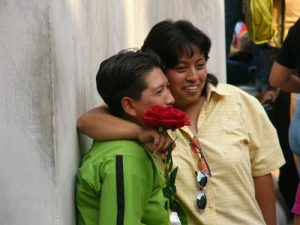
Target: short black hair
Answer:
[[123, 75], [171, 39]]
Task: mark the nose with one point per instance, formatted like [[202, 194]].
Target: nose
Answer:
[[169, 99], [192, 74]]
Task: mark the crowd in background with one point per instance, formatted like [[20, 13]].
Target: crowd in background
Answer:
[[249, 62]]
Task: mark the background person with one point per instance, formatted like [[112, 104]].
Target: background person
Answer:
[[285, 75]]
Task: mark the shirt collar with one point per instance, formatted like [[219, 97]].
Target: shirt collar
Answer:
[[212, 91], [216, 90]]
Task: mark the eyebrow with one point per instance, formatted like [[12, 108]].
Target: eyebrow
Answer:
[[159, 86], [154, 88], [200, 59]]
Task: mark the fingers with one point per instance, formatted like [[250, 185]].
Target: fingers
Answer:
[[150, 147], [150, 138], [165, 143], [155, 141], [268, 96]]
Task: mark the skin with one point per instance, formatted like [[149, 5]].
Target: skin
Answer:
[[265, 197], [297, 220], [284, 78], [187, 80], [156, 93]]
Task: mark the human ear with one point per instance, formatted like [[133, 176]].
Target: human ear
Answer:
[[129, 106]]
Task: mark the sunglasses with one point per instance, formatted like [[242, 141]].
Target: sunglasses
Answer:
[[201, 175], [201, 196]]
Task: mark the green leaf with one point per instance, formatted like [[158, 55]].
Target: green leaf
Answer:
[[177, 207], [166, 205], [173, 176], [167, 191], [173, 189]]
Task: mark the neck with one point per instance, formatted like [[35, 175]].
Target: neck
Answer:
[[132, 119], [193, 112]]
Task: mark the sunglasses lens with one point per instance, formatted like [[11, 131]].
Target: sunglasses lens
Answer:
[[201, 179], [201, 201]]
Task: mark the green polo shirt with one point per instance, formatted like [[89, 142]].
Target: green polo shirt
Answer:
[[118, 183]]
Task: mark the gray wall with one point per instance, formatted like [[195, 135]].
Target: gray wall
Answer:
[[49, 54], [27, 157]]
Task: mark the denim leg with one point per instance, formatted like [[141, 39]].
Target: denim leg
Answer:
[[294, 135], [263, 58]]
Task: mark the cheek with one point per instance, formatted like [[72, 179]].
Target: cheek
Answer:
[[174, 79], [203, 75], [174, 90], [154, 102]]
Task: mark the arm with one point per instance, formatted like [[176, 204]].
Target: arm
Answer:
[[283, 78], [265, 196], [100, 125], [297, 220]]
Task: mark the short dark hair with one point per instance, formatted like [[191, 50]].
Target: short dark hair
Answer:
[[123, 75], [170, 39]]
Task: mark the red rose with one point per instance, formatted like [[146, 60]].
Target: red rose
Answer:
[[165, 117]]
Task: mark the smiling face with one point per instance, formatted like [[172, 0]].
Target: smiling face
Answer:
[[156, 93], [187, 78]]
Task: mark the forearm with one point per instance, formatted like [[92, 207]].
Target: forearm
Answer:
[[284, 78], [265, 196], [291, 85], [100, 125]]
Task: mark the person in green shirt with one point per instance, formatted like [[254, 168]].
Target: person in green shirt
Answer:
[[118, 181]]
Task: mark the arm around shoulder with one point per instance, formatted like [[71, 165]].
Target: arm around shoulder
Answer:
[[99, 124]]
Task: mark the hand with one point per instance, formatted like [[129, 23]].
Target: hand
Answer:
[[155, 141], [269, 95]]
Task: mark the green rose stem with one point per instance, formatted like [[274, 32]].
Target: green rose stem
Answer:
[[169, 190], [163, 119]]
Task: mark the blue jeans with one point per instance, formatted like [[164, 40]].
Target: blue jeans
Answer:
[[294, 134], [263, 58]]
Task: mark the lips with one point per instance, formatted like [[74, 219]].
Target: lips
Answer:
[[192, 88]]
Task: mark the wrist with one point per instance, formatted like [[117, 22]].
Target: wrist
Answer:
[[136, 131]]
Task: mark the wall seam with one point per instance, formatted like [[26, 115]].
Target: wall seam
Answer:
[[51, 62]]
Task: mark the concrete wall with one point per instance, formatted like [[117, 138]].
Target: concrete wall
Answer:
[[49, 54], [27, 165]]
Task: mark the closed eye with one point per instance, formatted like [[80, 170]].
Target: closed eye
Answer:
[[181, 69], [200, 66], [158, 91]]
